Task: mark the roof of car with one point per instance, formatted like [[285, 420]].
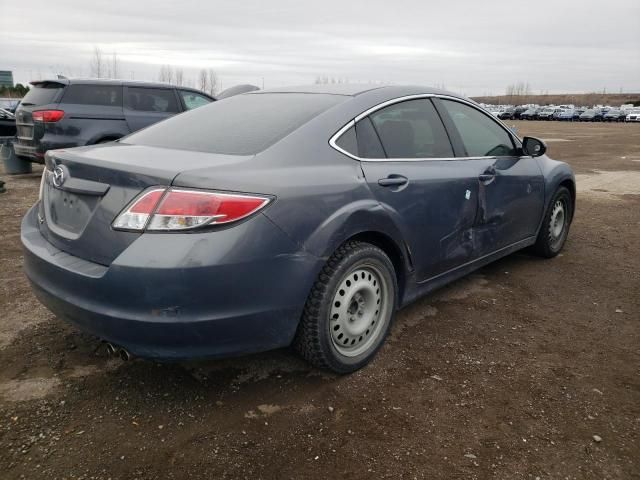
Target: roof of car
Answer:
[[354, 89], [106, 81]]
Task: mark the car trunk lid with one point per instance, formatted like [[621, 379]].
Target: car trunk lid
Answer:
[[84, 189]]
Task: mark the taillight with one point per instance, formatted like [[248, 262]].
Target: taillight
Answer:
[[176, 209], [47, 116]]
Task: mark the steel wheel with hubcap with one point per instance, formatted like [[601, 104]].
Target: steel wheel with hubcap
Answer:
[[349, 310]]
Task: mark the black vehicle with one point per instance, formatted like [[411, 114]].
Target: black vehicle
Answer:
[[615, 115], [7, 123], [9, 104], [591, 115], [66, 113]]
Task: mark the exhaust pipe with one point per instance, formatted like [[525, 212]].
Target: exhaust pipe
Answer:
[[111, 349], [124, 355]]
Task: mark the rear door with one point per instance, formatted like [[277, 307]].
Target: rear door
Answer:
[[93, 112], [412, 169], [510, 187], [144, 106]]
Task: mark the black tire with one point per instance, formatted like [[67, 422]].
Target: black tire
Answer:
[[551, 239], [316, 339]]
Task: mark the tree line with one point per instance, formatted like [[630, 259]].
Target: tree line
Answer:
[[108, 66]]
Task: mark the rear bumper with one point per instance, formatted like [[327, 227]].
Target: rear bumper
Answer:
[[34, 150], [181, 302]]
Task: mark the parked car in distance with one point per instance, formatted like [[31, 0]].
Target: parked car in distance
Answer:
[[9, 104], [577, 112], [507, 113], [530, 114], [517, 112], [7, 123], [566, 114], [633, 115], [614, 115], [236, 90], [66, 113], [547, 113], [591, 115], [302, 216]]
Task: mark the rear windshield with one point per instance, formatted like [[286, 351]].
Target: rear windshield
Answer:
[[240, 125], [42, 93]]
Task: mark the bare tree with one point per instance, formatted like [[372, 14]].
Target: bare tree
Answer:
[[179, 73], [97, 63], [203, 80], [115, 66], [213, 81], [166, 74]]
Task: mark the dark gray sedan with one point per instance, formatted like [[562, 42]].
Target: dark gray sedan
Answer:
[[300, 216]]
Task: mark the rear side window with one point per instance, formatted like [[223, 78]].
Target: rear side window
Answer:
[[240, 125], [369, 145], [348, 141], [42, 93], [193, 100], [161, 100], [482, 136], [103, 95], [412, 129]]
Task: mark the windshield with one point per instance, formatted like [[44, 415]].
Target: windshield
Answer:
[[241, 125], [42, 93]]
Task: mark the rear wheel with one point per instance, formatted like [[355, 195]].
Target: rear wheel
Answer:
[[349, 310], [555, 226]]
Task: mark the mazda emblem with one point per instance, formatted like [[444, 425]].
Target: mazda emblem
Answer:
[[58, 176]]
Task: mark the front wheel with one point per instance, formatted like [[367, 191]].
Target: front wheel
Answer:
[[555, 226], [349, 310]]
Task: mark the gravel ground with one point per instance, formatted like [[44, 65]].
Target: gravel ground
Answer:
[[527, 369]]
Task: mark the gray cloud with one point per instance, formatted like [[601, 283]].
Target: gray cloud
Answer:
[[468, 46]]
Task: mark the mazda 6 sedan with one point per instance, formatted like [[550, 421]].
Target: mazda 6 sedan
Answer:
[[300, 216]]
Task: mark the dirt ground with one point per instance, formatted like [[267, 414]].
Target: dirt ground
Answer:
[[528, 369]]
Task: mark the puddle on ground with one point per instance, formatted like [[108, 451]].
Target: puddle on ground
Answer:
[[608, 184]]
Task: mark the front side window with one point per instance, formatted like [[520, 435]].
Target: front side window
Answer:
[[103, 95], [481, 135], [412, 129], [161, 100], [193, 100]]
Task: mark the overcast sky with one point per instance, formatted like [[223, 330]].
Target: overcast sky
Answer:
[[474, 47]]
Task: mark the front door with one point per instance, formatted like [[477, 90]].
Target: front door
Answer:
[[144, 106], [411, 168], [510, 189]]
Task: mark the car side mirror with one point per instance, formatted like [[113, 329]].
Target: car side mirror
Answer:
[[533, 146]]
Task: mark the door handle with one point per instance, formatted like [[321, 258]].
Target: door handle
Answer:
[[488, 175], [393, 181]]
